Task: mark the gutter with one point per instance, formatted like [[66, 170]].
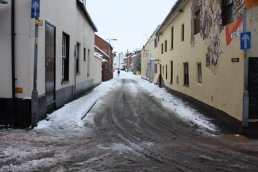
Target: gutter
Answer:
[[172, 11], [86, 14]]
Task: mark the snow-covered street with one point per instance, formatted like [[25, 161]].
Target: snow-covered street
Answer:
[[126, 124]]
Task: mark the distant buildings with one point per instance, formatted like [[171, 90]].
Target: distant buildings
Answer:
[[118, 62], [196, 53], [66, 65]]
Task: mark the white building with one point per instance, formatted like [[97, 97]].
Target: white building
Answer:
[[118, 62], [64, 64]]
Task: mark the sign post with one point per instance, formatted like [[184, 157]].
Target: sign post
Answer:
[[245, 44], [35, 13]]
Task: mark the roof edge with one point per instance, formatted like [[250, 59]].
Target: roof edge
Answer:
[[172, 11], [85, 12]]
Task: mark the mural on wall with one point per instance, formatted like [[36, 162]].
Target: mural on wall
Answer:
[[210, 21], [210, 28], [251, 3], [234, 29]]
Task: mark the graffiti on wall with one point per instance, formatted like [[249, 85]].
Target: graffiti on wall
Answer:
[[210, 21]]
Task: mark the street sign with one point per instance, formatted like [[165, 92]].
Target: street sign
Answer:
[[35, 9], [245, 40]]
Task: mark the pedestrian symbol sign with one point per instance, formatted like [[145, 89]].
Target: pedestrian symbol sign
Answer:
[[245, 40], [35, 9]]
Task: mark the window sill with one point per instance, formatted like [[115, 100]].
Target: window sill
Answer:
[[65, 82], [187, 86]]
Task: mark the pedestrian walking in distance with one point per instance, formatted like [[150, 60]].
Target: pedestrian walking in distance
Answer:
[[118, 72]]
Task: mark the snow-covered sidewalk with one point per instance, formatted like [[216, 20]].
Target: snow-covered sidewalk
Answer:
[[69, 117]]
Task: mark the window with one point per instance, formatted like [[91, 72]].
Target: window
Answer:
[[65, 57], [161, 48], [155, 42], [163, 71], [78, 45], [171, 72], [155, 68], [172, 38], [197, 17], [199, 74], [227, 12], [186, 74], [182, 32], [166, 46], [88, 67], [84, 54], [166, 71]]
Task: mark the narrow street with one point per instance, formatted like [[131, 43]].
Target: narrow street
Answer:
[[127, 129]]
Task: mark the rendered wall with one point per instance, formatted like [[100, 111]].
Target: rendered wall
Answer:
[[222, 79], [5, 51]]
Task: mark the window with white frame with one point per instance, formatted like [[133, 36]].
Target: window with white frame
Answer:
[[65, 57]]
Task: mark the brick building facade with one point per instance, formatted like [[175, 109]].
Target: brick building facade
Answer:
[[105, 49]]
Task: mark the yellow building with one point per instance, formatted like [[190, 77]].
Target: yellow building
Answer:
[[198, 55], [149, 58]]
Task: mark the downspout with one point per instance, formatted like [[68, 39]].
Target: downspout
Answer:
[[13, 60], [13, 48]]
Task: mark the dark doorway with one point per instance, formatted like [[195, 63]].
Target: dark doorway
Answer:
[[50, 49], [253, 87]]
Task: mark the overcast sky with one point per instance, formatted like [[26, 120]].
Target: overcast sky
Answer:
[[131, 22]]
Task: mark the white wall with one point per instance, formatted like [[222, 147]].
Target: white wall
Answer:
[[66, 17], [97, 70], [5, 51], [116, 61]]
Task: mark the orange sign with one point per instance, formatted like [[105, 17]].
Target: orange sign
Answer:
[[231, 29], [18, 90], [251, 3]]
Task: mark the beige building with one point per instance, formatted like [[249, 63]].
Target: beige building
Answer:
[[149, 58], [199, 57]]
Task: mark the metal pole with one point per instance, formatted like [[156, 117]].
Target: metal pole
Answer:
[[34, 97], [246, 69]]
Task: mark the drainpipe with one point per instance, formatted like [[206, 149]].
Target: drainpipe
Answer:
[[13, 46], [14, 100], [246, 70]]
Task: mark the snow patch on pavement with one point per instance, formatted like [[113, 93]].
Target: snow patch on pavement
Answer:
[[69, 117], [33, 165], [118, 147]]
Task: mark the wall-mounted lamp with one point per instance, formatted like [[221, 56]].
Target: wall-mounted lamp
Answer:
[[3, 2]]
